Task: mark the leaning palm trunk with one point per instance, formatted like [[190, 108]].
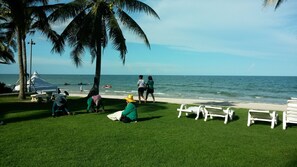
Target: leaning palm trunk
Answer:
[[95, 88]]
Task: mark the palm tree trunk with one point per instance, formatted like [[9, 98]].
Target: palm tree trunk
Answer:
[[95, 88], [22, 95], [25, 62]]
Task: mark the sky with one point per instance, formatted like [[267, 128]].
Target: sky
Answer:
[[192, 37]]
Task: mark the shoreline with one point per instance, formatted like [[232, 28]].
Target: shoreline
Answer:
[[247, 105]]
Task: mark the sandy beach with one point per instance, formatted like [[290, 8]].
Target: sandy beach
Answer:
[[262, 106]]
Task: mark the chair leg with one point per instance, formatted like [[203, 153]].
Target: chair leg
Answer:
[[226, 119], [249, 119], [231, 114], [205, 117], [284, 120], [179, 114], [182, 106], [198, 113]]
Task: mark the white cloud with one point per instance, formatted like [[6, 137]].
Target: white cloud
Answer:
[[240, 27]]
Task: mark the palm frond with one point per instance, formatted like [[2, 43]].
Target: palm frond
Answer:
[[136, 6], [133, 26], [77, 53], [67, 11], [117, 37], [275, 3]]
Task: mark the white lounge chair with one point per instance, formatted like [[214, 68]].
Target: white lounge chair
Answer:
[[290, 115], [192, 109], [262, 115], [211, 112]]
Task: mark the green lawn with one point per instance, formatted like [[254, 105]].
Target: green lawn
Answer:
[[31, 137]]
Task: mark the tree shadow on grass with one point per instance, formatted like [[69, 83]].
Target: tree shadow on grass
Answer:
[[148, 118], [291, 163], [16, 111], [113, 105], [151, 107], [265, 123]]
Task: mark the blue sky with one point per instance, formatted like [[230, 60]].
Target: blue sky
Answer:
[[205, 37]]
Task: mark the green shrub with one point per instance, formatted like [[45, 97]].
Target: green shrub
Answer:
[[4, 88]]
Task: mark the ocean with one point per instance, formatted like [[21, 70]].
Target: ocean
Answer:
[[264, 89]]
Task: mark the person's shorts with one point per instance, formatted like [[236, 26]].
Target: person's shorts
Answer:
[[141, 90], [150, 90]]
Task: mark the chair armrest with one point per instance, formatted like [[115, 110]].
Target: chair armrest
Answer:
[[182, 106]]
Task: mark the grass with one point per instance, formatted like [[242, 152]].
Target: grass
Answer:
[[31, 137]]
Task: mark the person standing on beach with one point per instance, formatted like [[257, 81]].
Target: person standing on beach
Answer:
[[81, 88], [141, 88], [150, 88]]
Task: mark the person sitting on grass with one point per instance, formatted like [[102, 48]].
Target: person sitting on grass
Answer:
[[127, 115], [60, 104], [94, 104]]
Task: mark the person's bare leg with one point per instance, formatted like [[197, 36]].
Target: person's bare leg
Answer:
[[139, 99], [153, 97]]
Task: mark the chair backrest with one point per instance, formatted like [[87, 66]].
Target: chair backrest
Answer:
[[212, 107], [213, 110], [261, 113], [292, 110]]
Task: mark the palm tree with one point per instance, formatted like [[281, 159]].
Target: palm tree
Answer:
[[277, 3], [93, 23], [23, 15]]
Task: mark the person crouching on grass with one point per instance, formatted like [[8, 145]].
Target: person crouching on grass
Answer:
[[127, 115], [60, 104], [94, 104]]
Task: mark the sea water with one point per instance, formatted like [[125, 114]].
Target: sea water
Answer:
[[266, 89]]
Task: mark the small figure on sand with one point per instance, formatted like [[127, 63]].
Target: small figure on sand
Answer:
[[81, 88], [107, 86]]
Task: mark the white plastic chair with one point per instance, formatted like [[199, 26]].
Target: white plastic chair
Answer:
[[192, 109], [262, 115], [211, 112], [290, 115]]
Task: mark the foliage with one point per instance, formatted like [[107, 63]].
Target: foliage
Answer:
[[275, 3], [31, 137], [4, 88], [7, 46], [21, 17]]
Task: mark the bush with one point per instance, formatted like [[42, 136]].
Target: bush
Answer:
[[4, 88]]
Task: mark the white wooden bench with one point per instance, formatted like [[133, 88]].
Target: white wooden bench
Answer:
[[39, 97], [262, 115], [290, 115], [211, 112], [192, 109]]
